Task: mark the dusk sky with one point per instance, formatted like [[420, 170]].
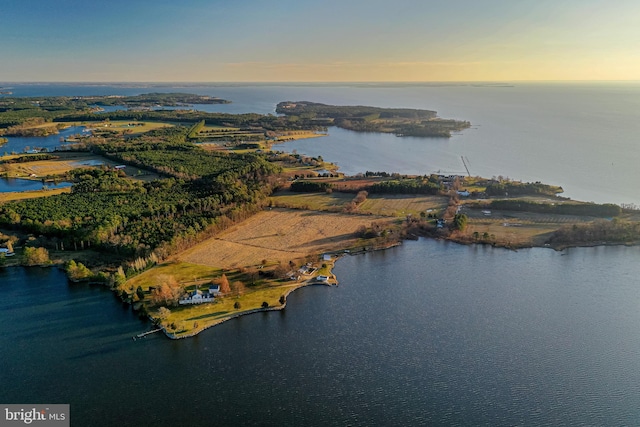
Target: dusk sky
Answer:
[[328, 40]]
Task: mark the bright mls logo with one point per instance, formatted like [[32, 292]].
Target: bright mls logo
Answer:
[[39, 415]]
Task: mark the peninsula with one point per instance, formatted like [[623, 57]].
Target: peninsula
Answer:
[[401, 121], [193, 220]]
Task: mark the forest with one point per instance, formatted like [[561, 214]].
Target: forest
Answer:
[[114, 213], [17, 111]]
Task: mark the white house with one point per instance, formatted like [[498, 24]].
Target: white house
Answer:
[[198, 297], [214, 290], [6, 252]]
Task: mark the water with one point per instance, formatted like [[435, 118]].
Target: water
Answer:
[[582, 136], [430, 333], [16, 184], [473, 336], [19, 145]]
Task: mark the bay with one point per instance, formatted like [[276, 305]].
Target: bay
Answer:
[[582, 136], [427, 333]]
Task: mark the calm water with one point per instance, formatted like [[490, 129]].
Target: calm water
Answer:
[[427, 333], [430, 333], [581, 136], [18, 145], [12, 184]]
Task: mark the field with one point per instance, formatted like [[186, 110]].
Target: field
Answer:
[[398, 205], [517, 228], [22, 195], [130, 127], [184, 273], [402, 205], [279, 235], [191, 319], [65, 163]]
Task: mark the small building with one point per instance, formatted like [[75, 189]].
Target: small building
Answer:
[[322, 278], [463, 193], [119, 167], [6, 252], [326, 257]]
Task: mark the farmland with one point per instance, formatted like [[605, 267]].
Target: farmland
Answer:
[[64, 163], [395, 205], [279, 235]]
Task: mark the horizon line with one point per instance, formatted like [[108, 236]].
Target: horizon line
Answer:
[[495, 82]]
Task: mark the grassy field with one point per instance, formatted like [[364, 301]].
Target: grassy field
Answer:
[[516, 228], [398, 205], [279, 235], [65, 163], [402, 205], [132, 127], [7, 197], [299, 134], [189, 320], [313, 201]]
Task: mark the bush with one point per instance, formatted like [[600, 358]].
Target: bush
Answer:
[[265, 304], [36, 256], [77, 271], [237, 305]]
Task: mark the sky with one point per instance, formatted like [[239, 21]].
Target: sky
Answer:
[[318, 41]]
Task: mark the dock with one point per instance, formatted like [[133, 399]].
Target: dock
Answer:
[[144, 334]]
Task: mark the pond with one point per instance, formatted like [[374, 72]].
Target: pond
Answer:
[[9, 185]]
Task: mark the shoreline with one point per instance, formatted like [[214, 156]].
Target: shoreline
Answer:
[[311, 282], [306, 283]]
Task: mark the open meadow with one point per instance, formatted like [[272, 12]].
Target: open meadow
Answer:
[[66, 162], [516, 228], [23, 195], [279, 235], [394, 205]]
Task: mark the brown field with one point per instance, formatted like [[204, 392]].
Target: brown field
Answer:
[[298, 134], [399, 205], [279, 235], [518, 228], [7, 197], [130, 127], [65, 163]]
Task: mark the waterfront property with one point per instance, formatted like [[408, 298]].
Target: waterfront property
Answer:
[[6, 252], [201, 297]]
